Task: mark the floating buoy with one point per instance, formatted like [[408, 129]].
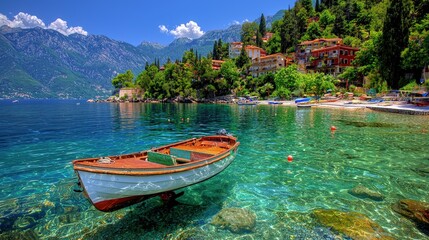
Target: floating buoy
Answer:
[[333, 128], [289, 158]]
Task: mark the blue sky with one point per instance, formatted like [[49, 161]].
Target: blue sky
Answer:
[[135, 21]]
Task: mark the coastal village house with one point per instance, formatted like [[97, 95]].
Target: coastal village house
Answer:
[[332, 60], [330, 56], [270, 63], [216, 64], [252, 51]]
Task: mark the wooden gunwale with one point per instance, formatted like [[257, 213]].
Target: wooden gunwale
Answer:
[[88, 164], [165, 170]]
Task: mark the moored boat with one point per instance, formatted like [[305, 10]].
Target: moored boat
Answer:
[[114, 182], [248, 100], [302, 100]]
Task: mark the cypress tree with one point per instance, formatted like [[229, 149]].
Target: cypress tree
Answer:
[[394, 40], [219, 49], [215, 53], [262, 26], [317, 6]]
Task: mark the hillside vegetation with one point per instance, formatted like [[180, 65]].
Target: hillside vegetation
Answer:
[[392, 35]]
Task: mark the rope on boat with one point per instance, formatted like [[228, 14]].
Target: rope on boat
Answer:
[[105, 160]]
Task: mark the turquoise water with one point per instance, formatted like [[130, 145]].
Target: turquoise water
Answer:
[[38, 140]]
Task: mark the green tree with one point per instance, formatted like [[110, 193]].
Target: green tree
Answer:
[[123, 80], [320, 83], [313, 32], [286, 79], [215, 51], [288, 31], [326, 18], [248, 31], [317, 6], [274, 44], [394, 40], [416, 55], [145, 77], [242, 59], [262, 26], [229, 72]]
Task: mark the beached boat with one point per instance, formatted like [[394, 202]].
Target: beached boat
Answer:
[[302, 100], [248, 100], [114, 182], [273, 102], [304, 105]]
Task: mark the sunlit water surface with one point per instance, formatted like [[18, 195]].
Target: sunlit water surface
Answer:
[[39, 139]]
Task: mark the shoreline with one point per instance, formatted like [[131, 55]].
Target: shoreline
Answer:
[[399, 107], [387, 106]]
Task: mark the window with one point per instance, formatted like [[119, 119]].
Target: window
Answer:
[[346, 61], [347, 53], [341, 52]]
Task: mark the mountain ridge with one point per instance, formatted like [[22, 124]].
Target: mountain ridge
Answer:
[[43, 63]]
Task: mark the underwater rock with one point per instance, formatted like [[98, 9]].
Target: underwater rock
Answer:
[[24, 222], [354, 225], [191, 234], [422, 170], [415, 210], [363, 192], [235, 219]]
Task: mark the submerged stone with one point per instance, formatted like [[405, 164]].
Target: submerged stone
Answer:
[[367, 124], [235, 219], [414, 210], [363, 192], [191, 234], [354, 225]]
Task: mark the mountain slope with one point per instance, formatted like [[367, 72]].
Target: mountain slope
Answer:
[[46, 64], [42, 63]]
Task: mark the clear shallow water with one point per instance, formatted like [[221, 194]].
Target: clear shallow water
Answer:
[[381, 151]]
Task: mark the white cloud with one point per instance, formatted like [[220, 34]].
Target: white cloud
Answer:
[[189, 30], [4, 20], [61, 26], [25, 20], [163, 28]]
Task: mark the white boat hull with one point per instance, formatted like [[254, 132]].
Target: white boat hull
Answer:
[[108, 189]]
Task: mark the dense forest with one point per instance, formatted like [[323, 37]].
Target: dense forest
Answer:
[[393, 37]]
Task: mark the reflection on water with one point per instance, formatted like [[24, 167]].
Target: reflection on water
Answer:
[[383, 152]]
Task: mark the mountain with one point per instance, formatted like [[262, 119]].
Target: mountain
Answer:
[[203, 45], [43, 63]]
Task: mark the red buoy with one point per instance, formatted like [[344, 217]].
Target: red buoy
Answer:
[[289, 158], [333, 128]]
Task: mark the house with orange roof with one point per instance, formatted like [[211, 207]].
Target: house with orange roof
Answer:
[[216, 64], [252, 51], [270, 63], [332, 60], [303, 50]]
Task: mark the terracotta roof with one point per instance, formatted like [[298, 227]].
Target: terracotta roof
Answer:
[[321, 40], [338, 46]]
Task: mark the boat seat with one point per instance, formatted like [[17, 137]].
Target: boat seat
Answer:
[[161, 158]]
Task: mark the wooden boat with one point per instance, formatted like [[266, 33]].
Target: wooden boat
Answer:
[[248, 100], [274, 103], [302, 100], [304, 105], [114, 182]]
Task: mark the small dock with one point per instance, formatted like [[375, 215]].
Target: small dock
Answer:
[[409, 109]]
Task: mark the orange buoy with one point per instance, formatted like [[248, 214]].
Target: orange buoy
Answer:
[[333, 128], [289, 158]]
